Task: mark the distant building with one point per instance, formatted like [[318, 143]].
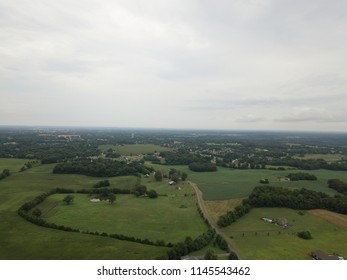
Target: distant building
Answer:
[[171, 183]]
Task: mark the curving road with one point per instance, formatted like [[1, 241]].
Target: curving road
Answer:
[[203, 210]]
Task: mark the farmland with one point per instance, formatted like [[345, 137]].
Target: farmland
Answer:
[[168, 218], [229, 183], [173, 215], [256, 239], [20, 239]]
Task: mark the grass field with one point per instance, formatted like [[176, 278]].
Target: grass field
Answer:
[[335, 218], [20, 239], [12, 164], [256, 239], [127, 150], [234, 183], [326, 157], [170, 218], [216, 208]]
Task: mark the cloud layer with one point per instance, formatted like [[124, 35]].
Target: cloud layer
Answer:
[[241, 64]]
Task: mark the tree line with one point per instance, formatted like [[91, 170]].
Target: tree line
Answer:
[[100, 168], [301, 176]]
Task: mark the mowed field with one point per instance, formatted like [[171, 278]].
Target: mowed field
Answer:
[[235, 183], [259, 240], [137, 149], [20, 239]]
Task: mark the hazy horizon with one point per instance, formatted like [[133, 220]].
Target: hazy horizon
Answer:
[[272, 65]]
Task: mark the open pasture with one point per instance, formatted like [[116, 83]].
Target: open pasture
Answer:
[[256, 239], [229, 183], [170, 218]]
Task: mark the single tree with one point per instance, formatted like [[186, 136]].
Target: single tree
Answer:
[[68, 199], [112, 198], [233, 256], [158, 176], [152, 194]]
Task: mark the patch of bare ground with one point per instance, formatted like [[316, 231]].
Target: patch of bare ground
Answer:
[[216, 208], [337, 219]]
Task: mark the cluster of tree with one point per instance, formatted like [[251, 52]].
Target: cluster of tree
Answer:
[[110, 153], [180, 158], [190, 245], [5, 173], [152, 158], [102, 184], [141, 190], [100, 168], [301, 176], [304, 235], [203, 166], [308, 164], [301, 199], [176, 175], [232, 216], [48, 151], [338, 186]]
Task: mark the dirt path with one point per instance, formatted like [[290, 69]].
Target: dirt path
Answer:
[[204, 213]]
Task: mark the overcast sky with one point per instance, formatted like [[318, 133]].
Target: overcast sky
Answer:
[[233, 64]]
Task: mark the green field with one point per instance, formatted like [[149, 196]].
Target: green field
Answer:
[[326, 157], [259, 240], [20, 239], [137, 149], [12, 164], [229, 183], [169, 218]]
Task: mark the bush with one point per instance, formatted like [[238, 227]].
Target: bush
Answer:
[[304, 235]]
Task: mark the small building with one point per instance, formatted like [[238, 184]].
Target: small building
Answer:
[[280, 221], [266, 219], [320, 255], [172, 183]]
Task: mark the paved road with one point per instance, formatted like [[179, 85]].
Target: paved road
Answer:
[[204, 213]]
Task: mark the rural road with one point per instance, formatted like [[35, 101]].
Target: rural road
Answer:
[[204, 213]]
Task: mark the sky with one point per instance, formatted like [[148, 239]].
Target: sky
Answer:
[[224, 64]]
